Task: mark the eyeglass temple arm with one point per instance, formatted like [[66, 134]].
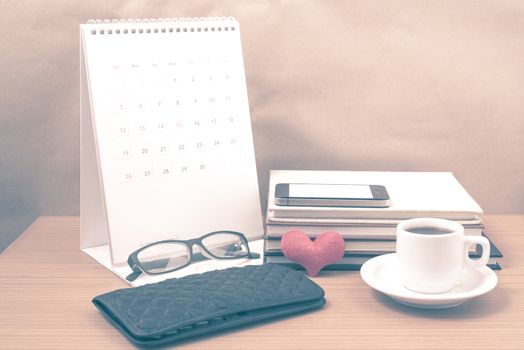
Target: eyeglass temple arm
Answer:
[[149, 265], [134, 275], [131, 261]]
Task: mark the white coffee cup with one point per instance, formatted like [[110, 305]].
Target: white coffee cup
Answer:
[[433, 253]]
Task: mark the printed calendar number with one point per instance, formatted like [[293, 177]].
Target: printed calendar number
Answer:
[[118, 104], [143, 149], [179, 124], [162, 146], [198, 145], [122, 128], [125, 154], [175, 104], [137, 104], [123, 131], [230, 120], [128, 175], [145, 172], [141, 127], [179, 145], [172, 74], [160, 126], [200, 165], [181, 167], [157, 103], [124, 151], [197, 123], [216, 143]]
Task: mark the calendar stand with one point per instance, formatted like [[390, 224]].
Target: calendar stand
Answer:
[[166, 141]]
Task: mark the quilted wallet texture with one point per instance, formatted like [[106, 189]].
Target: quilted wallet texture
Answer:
[[180, 308]]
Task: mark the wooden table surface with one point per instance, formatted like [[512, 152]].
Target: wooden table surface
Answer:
[[47, 285]]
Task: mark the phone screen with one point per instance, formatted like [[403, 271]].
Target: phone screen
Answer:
[[330, 191]]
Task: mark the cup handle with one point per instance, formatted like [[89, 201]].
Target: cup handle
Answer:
[[483, 260]]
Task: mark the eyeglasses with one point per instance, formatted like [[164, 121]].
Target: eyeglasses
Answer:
[[171, 255]]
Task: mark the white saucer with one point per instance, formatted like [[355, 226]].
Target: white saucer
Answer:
[[382, 274]]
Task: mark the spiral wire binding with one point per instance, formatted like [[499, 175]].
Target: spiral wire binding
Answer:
[[157, 25]]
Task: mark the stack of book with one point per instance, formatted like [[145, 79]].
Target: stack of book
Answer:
[[369, 232]]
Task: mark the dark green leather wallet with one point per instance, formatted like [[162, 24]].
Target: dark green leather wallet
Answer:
[[179, 308]]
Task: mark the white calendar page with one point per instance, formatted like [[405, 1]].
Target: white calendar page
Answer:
[[172, 130]]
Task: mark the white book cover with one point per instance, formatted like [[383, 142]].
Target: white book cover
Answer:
[[412, 194]]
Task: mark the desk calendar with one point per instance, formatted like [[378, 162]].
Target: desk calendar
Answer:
[[166, 142]]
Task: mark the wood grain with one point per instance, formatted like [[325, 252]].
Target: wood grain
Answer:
[[47, 284]]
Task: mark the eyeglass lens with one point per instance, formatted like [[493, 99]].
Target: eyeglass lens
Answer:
[[225, 245], [164, 257], [167, 256]]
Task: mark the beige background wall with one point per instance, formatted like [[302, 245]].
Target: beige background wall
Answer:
[[353, 85]]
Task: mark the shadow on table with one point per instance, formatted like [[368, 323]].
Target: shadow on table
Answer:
[[486, 305]]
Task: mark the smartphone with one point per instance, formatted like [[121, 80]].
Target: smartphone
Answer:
[[331, 195]]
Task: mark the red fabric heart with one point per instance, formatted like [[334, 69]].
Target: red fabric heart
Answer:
[[326, 249]]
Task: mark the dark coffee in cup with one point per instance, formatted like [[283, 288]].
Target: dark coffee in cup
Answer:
[[429, 230]]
